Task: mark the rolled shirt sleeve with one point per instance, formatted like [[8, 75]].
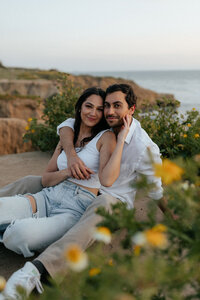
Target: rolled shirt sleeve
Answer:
[[67, 123], [151, 155]]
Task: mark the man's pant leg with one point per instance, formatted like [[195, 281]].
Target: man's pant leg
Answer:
[[53, 257], [27, 184]]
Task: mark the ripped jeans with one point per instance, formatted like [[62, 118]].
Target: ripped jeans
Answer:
[[58, 209]]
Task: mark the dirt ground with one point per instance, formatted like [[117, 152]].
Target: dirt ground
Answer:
[[15, 166]]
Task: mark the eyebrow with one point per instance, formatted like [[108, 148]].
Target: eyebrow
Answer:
[[88, 102], [116, 102]]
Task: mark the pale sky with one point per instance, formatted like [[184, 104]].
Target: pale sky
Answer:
[[106, 35]]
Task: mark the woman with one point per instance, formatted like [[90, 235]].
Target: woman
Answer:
[[37, 223]]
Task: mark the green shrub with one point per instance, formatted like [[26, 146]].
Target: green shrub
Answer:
[[57, 108], [175, 135]]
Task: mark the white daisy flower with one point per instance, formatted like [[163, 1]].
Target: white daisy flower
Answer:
[[139, 239], [102, 234], [76, 259]]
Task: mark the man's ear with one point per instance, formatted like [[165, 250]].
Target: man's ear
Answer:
[[131, 110]]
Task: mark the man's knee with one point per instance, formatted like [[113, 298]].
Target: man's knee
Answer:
[[33, 184], [106, 201]]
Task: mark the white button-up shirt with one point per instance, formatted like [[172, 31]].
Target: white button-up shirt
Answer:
[[136, 160]]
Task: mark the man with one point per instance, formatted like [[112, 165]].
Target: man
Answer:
[[120, 101]]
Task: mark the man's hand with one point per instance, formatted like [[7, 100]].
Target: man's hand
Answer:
[[162, 203], [78, 168], [127, 119]]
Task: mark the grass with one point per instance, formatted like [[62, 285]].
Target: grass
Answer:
[[28, 74]]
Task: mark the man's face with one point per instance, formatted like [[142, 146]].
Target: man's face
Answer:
[[116, 108]]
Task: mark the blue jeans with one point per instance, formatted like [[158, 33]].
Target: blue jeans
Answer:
[[58, 209]]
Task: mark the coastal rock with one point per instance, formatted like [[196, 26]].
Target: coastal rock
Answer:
[[145, 97], [20, 108], [11, 136], [46, 88], [42, 88]]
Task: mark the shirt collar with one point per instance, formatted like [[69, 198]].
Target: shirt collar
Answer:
[[131, 130]]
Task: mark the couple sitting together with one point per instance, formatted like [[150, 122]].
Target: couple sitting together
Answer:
[[100, 154]]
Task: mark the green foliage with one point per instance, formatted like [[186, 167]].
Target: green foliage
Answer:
[[171, 132], [56, 109], [155, 273]]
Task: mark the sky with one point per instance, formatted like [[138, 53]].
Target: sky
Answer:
[[106, 35]]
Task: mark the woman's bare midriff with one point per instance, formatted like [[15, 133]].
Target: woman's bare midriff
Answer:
[[93, 190]]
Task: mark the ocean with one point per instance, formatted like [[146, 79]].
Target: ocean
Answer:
[[184, 85]]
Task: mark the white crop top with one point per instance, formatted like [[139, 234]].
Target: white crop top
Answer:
[[90, 156]]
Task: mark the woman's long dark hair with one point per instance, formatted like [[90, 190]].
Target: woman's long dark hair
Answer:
[[98, 127]]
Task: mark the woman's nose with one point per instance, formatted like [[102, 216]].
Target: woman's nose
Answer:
[[93, 112]]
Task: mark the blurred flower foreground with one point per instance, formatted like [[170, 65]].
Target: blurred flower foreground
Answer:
[[134, 259]]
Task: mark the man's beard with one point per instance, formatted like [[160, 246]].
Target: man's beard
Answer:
[[118, 124]]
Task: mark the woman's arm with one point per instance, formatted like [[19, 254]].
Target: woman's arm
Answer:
[[75, 164], [111, 153], [52, 175]]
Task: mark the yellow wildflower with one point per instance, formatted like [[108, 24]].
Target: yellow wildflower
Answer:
[[136, 250], [156, 238], [30, 119], [185, 135], [181, 146], [110, 262], [2, 283], [76, 259], [27, 128], [33, 130], [194, 108], [196, 135], [102, 234], [168, 171], [94, 272], [189, 125], [159, 228]]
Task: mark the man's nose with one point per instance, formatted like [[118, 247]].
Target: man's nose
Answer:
[[110, 110]]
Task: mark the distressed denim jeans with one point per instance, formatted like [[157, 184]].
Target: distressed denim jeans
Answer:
[[58, 209]]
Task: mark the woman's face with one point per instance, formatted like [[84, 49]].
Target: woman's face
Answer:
[[92, 110]]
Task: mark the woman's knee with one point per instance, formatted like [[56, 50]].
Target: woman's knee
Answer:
[[17, 237]]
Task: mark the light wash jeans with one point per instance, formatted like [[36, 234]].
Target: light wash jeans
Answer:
[[58, 209]]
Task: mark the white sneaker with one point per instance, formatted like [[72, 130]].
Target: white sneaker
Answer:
[[28, 278]]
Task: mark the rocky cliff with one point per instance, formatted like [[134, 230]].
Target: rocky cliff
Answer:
[[22, 93]]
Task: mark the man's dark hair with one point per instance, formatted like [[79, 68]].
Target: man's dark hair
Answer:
[[131, 98]]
